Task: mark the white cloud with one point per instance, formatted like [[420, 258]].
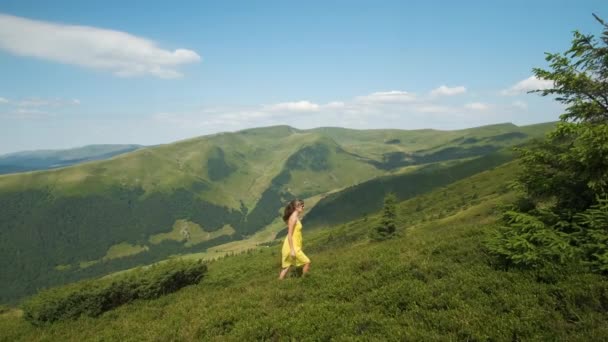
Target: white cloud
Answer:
[[121, 53], [393, 96], [447, 91], [375, 110], [334, 105], [530, 83], [476, 106], [220, 116], [393, 109], [300, 106]]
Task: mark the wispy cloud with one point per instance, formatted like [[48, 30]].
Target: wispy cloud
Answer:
[[476, 106], [299, 106], [334, 105], [387, 97], [26, 113], [36, 108], [530, 83], [397, 108], [121, 53], [447, 91], [52, 102], [3, 100]]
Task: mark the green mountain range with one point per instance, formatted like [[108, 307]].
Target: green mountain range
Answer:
[[213, 193], [434, 281]]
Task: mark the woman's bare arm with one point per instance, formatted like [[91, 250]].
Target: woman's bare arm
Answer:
[[291, 224]]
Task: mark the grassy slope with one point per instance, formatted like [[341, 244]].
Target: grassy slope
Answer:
[[368, 197], [432, 282], [373, 143]]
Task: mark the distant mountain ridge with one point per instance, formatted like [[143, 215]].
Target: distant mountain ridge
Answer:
[[48, 159], [93, 218]]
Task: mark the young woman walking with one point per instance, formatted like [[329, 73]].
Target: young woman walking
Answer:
[[292, 254]]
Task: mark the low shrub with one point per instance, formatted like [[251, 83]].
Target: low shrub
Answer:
[[94, 297]]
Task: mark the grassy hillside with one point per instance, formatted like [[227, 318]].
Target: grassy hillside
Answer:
[[49, 159], [71, 223], [434, 281], [368, 197], [393, 148]]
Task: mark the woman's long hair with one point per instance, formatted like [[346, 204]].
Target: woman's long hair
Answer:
[[290, 208]]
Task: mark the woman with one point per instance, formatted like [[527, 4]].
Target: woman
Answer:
[[292, 254]]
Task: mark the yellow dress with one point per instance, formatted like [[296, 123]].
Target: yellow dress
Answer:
[[300, 258]]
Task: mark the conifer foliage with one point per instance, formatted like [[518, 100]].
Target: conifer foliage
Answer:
[[562, 214], [386, 228]]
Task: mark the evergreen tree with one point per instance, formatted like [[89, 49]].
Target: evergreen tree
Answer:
[[564, 178], [386, 228]]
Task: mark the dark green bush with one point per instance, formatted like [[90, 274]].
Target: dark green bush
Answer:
[[527, 241], [94, 297], [592, 235]]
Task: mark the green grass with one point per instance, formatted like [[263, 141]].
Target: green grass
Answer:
[[124, 249], [63, 267], [116, 251], [195, 233], [373, 143], [86, 264], [434, 281]]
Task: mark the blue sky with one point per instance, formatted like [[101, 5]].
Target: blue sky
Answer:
[[81, 72]]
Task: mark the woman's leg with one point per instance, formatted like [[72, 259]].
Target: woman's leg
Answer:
[[283, 273], [302, 258], [306, 268]]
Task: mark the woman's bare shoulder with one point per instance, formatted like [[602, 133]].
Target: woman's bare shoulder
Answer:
[[293, 218]]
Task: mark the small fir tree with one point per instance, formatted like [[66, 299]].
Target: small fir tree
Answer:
[[386, 228]]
